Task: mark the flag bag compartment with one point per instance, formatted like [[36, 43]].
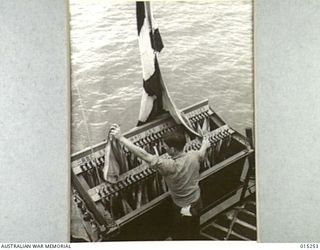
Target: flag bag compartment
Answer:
[[137, 206]]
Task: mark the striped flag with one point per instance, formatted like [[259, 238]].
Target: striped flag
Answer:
[[149, 43], [155, 96]]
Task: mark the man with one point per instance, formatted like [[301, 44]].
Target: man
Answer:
[[181, 174]]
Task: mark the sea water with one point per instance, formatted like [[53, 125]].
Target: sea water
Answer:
[[208, 54]]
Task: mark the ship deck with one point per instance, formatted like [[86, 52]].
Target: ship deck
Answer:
[[236, 223]]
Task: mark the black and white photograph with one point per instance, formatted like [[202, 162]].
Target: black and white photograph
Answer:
[[161, 124], [162, 121]]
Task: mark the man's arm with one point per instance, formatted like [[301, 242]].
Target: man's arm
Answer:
[[164, 166], [144, 155]]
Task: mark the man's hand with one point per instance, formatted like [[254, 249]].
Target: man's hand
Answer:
[[205, 142], [115, 131], [204, 146]]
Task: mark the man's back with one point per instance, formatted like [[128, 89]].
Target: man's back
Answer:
[[183, 182], [182, 177]]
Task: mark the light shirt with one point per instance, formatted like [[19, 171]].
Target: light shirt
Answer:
[[182, 177]]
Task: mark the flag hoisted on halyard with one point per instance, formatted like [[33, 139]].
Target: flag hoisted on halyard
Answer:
[[155, 97], [149, 43]]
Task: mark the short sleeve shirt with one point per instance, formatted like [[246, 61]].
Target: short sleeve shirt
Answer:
[[181, 176]]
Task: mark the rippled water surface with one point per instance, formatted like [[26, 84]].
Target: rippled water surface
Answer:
[[207, 55]]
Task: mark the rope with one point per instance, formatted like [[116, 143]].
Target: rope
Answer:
[[84, 118]]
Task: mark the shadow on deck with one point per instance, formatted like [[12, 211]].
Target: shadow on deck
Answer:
[[237, 223]]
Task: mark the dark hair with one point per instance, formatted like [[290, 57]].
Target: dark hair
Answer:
[[175, 139]]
